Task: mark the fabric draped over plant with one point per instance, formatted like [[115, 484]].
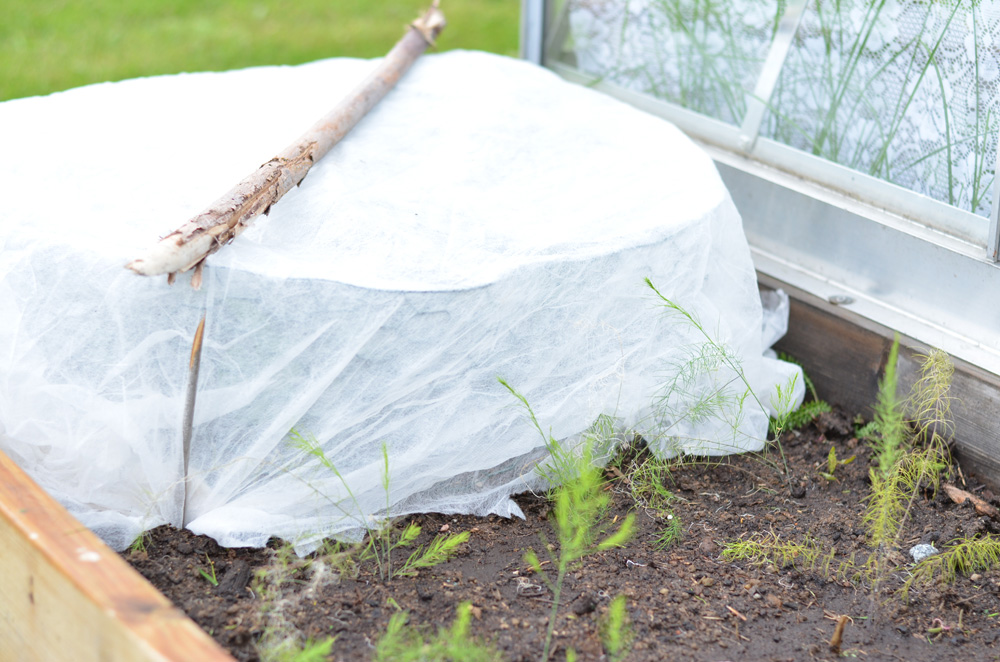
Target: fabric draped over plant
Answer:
[[486, 219]]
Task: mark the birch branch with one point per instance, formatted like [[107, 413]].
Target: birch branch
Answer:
[[188, 246]]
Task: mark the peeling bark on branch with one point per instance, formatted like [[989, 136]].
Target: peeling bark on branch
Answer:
[[188, 246]]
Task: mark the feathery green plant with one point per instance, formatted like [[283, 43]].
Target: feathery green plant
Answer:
[[889, 418], [902, 465], [962, 556], [141, 543], [615, 630], [769, 548], [579, 505], [805, 414], [714, 359], [406, 644], [646, 489], [910, 440]]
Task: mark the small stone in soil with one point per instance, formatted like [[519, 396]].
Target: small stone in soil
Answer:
[[921, 552]]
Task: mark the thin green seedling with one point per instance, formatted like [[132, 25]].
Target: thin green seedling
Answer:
[[670, 534], [579, 508], [383, 540], [439, 550], [712, 352], [804, 415], [810, 386], [309, 651], [616, 631], [209, 575], [888, 444], [904, 466], [405, 643], [141, 543]]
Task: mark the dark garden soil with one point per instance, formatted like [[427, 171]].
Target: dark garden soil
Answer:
[[685, 602]]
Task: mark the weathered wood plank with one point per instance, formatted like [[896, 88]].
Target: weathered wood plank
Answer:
[[64, 595], [844, 354]]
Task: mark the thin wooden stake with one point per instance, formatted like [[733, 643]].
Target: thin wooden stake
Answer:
[[838, 635], [187, 425], [189, 245]]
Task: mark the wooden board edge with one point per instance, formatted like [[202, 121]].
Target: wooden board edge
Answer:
[[65, 595], [845, 354]]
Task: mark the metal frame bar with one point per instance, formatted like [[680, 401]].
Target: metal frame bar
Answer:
[[758, 102], [993, 238], [533, 30]]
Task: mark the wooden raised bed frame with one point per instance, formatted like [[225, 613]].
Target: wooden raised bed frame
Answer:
[[65, 595]]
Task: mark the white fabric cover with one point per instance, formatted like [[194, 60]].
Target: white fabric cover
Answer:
[[486, 219]]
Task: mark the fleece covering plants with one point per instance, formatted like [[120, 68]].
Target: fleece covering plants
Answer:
[[486, 219]]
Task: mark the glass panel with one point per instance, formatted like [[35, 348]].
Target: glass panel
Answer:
[[704, 55], [904, 90]]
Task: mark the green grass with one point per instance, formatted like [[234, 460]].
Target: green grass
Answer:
[[51, 45]]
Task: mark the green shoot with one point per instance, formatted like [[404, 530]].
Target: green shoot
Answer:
[[649, 493], [291, 650], [141, 543], [209, 576], [670, 534], [832, 463], [579, 506], [802, 416], [311, 651], [616, 633], [401, 643], [280, 640], [903, 468], [929, 403]]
